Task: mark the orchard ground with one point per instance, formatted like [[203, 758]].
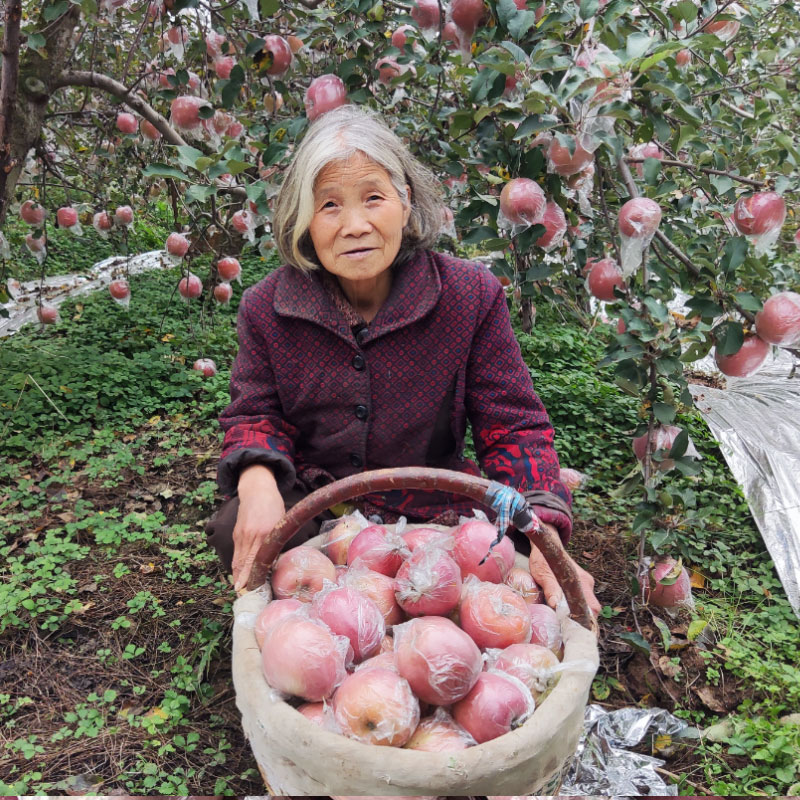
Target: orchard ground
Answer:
[[116, 635]]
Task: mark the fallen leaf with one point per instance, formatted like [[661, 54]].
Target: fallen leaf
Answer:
[[709, 699], [146, 569], [667, 668], [696, 580]]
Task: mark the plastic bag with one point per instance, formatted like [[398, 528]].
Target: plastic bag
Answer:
[[348, 612], [493, 614], [429, 582], [300, 573], [531, 663], [546, 628], [378, 587], [378, 549], [338, 534], [440, 733]]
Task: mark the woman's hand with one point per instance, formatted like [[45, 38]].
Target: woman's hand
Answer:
[[543, 575], [260, 508]]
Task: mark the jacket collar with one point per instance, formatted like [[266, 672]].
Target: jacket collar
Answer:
[[416, 287]]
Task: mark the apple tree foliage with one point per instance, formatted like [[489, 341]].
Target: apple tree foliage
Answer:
[[712, 82]]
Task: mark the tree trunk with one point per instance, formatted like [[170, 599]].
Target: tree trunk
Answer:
[[35, 84]]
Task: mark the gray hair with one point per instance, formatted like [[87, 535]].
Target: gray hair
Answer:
[[338, 135]]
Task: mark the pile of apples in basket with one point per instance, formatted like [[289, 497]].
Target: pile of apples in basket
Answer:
[[403, 638]]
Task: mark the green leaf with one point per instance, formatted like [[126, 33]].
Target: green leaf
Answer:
[[589, 8], [237, 167], [704, 305], [748, 301], [539, 272], [269, 7], [637, 45], [734, 253], [188, 156], [522, 22], [482, 83], [685, 11], [728, 337], [480, 234], [696, 627], [506, 11], [163, 171], [494, 244], [36, 41], [254, 46], [664, 413], [662, 52], [55, 11], [679, 445], [666, 636], [517, 53], [636, 641], [652, 169], [722, 183], [199, 194]]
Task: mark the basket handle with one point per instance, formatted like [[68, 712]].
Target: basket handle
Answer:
[[384, 480]]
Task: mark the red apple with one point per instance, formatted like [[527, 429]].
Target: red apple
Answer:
[[425, 13], [206, 366], [438, 659], [399, 37], [119, 289], [177, 245], [522, 582], [639, 218], [565, 163], [379, 588], [377, 549], [429, 582], [555, 223], [747, 360], [149, 131], [545, 628], [66, 217], [779, 321], [683, 58], [439, 734], [337, 539], [185, 112], [271, 613], [376, 706], [669, 585], [665, 436], [242, 221], [324, 94], [603, 278], [32, 213], [102, 221], [190, 287], [646, 150], [229, 268], [301, 657], [214, 42], [530, 663], [47, 314], [127, 123], [318, 713], [467, 14], [36, 244], [223, 65], [522, 201], [301, 572], [223, 293], [295, 43], [759, 213], [382, 660], [473, 539], [349, 613], [123, 215], [427, 537], [493, 614], [495, 705], [280, 53]]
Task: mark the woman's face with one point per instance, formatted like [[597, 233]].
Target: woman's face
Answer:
[[358, 220]]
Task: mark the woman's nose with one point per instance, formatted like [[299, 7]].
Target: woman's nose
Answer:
[[354, 221]]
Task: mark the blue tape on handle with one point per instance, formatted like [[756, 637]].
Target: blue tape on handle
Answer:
[[506, 502]]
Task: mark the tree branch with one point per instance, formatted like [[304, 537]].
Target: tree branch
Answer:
[[96, 80], [667, 162]]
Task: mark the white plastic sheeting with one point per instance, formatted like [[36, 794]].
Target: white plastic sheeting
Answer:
[[55, 289]]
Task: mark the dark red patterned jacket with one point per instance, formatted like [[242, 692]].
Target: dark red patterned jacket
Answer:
[[316, 399]]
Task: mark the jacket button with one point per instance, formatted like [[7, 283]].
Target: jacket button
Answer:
[[358, 362], [356, 460], [362, 334], [361, 412]]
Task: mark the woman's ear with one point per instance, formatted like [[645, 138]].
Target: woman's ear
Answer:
[[407, 206]]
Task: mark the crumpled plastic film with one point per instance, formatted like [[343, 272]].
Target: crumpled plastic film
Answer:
[[757, 424], [604, 764]]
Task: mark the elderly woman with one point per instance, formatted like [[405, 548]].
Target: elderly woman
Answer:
[[369, 350]]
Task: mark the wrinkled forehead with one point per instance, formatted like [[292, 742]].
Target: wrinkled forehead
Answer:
[[355, 168]]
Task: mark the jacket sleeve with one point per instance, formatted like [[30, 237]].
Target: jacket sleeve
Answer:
[[512, 431], [255, 430]]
